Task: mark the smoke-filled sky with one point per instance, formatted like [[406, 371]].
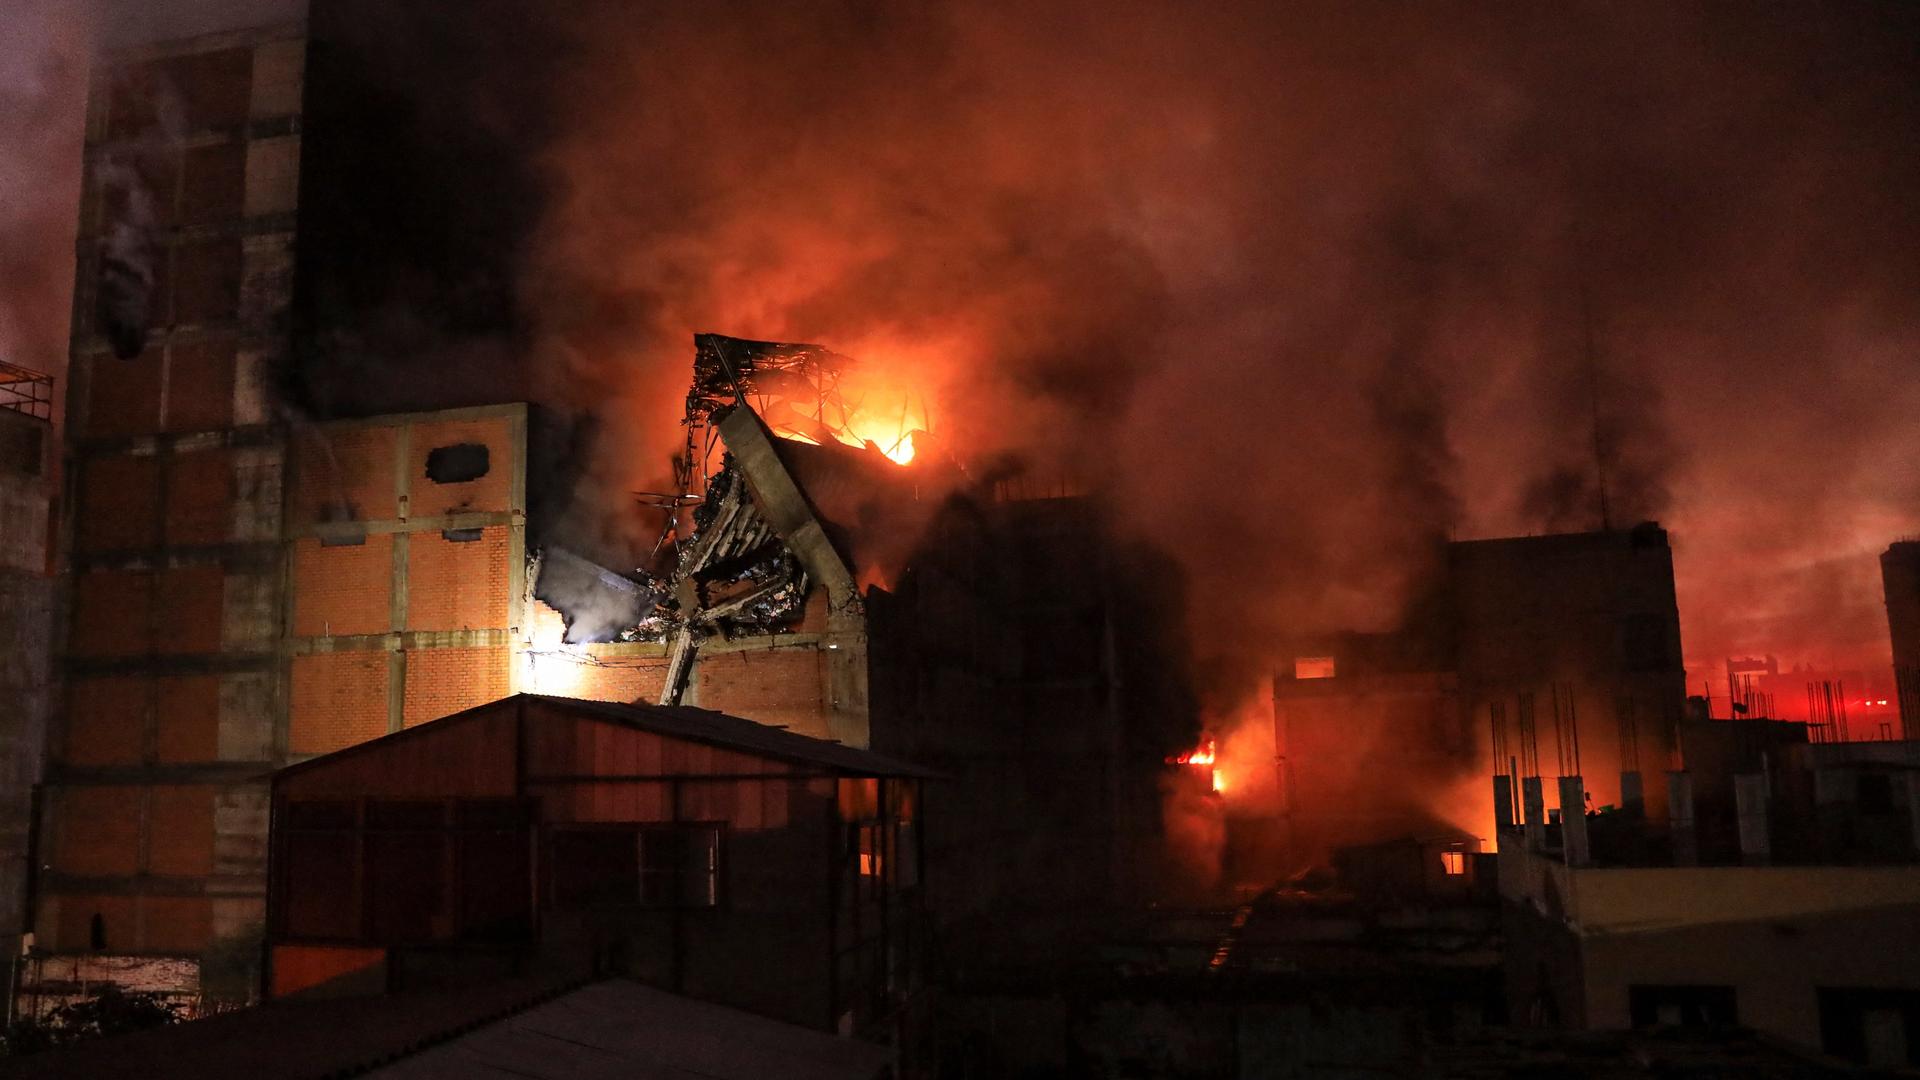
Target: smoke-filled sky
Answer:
[[1306, 287]]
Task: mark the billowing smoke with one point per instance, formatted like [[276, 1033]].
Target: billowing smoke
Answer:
[[1304, 290]]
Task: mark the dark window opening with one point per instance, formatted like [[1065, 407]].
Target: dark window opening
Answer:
[[1873, 1027], [1875, 793], [1682, 1006], [460, 536], [654, 865], [458, 463], [343, 540]]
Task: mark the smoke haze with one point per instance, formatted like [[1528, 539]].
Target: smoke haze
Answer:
[[1304, 289]]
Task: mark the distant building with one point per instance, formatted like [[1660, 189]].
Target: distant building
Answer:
[[1543, 654], [1900, 575], [698, 852], [1781, 894]]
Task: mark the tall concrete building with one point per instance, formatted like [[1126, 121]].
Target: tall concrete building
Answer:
[[26, 598], [246, 578], [1900, 574]]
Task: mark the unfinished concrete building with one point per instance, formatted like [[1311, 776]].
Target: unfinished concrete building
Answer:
[[27, 462], [1529, 656], [246, 580], [1748, 906]]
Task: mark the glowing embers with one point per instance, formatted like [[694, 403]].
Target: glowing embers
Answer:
[[1205, 756]]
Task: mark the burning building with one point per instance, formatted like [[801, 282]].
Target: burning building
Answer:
[[273, 550], [1566, 646]]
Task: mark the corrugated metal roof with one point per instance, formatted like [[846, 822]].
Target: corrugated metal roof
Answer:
[[736, 733], [676, 721], [624, 1030]]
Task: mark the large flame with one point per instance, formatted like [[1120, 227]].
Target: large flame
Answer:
[[1204, 756], [866, 406]]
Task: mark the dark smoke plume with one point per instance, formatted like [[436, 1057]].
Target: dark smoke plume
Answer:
[[1303, 289]]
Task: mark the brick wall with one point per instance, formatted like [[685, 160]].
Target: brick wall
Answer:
[[344, 466], [110, 613], [180, 831], [621, 678], [187, 719], [443, 681], [343, 589], [163, 925], [200, 376], [457, 585], [337, 699], [490, 492], [200, 495], [119, 504], [99, 831], [123, 397], [106, 720], [778, 686], [192, 605]]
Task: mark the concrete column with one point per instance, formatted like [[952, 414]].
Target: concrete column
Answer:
[[1502, 803], [1633, 795], [1680, 826], [1750, 802], [1534, 804], [1573, 820]]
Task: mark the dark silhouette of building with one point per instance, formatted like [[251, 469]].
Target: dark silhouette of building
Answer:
[[1554, 655], [536, 836], [1900, 575]]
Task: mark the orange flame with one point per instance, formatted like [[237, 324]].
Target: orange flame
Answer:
[[1205, 755]]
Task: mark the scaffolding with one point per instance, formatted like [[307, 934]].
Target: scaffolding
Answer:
[[25, 390]]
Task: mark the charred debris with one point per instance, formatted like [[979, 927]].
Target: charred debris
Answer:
[[745, 540]]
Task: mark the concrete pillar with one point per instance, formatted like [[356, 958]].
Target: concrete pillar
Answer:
[[1502, 803], [1534, 805], [1633, 796], [1573, 820], [1680, 825], [1750, 802]]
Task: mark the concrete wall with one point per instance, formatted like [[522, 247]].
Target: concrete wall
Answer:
[[1776, 935], [170, 540], [1589, 620]]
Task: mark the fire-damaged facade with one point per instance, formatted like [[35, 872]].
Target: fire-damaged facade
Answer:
[[1015, 645]]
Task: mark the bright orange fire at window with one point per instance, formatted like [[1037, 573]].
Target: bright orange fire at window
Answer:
[[1453, 862], [1204, 756]]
